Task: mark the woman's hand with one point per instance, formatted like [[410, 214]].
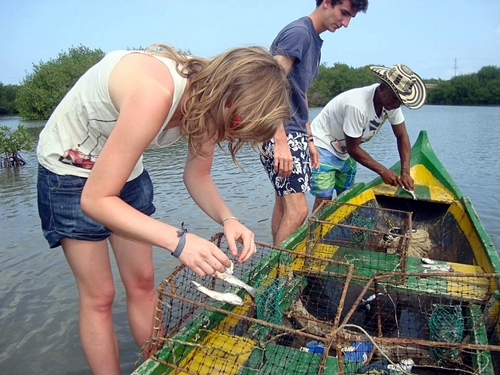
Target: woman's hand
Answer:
[[202, 256], [235, 231]]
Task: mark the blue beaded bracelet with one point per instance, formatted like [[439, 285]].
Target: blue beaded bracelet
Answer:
[[181, 233]]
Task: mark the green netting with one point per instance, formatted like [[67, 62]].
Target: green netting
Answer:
[[268, 302], [445, 324], [360, 236]]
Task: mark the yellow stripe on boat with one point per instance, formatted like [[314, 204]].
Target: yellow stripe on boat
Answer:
[[423, 176], [362, 198], [464, 222], [230, 321], [468, 288], [218, 354]]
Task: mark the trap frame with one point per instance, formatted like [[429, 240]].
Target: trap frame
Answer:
[[374, 239], [445, 322], [311, 316], [194, 334]]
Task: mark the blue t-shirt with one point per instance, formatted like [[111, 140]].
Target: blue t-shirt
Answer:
[[300, 40]]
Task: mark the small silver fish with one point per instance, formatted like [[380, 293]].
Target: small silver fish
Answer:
[[439, 267], [428, 261], [230, 269], [231, 298], [233, 280], [411, 192], [402, 367]]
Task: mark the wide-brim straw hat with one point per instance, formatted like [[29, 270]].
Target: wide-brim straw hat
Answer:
[[406, 84]]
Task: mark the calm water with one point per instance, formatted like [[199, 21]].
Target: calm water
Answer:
[[38, 297]]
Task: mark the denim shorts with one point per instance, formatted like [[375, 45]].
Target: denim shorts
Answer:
[[298, 181], [61, 214], [333, 174]]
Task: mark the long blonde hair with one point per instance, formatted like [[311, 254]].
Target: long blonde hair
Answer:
[[242, 94]]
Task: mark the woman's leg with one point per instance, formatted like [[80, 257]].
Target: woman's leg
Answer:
[[135, 263], [91, 267]]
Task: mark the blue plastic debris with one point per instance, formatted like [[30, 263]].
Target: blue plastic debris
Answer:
[[315, 347], [358, 351]]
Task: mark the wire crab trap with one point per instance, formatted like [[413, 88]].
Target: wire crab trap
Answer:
[[374, 240], [307, 316], [440, 323], [271, 332]]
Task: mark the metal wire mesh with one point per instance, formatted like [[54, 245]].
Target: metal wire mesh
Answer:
[[443, 322], [194, 334], [311, 315], [374, 239]]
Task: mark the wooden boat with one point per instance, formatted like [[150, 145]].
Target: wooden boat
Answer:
[[374, 278]]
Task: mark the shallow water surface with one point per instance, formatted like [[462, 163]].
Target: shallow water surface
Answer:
[[38, 297]]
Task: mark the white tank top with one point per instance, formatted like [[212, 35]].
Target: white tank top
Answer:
[[75, 134]]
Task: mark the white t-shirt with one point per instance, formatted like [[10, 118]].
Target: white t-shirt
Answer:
[[350, 113], [75, 133]]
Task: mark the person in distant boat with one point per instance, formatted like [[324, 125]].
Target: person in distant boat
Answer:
[[93, 188], [288, 157], [354, 117]]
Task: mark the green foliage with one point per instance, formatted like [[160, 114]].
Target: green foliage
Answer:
[[489, 73], [44, 88], [481, 88], [7, 99], [11, 143], [332, 81]]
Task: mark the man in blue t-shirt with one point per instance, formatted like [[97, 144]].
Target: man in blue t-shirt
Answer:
[[288, 157]]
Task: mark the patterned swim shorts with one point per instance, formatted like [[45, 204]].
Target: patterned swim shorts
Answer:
[[298, 181], [333, 174]]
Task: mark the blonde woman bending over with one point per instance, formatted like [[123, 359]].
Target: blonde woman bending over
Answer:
[[92, 186]]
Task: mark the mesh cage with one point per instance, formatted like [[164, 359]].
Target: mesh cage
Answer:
[[439, 321], [310, 315], [374, 240], [270, 334]]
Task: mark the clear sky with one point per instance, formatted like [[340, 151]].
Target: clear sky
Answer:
[[436, 38]]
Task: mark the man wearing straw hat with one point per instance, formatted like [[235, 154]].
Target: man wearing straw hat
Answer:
[[354, 117]]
